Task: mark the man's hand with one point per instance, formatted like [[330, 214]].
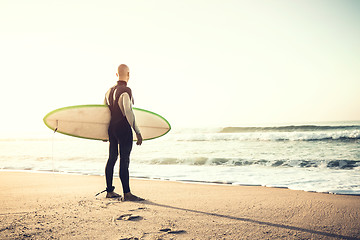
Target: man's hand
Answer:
[[139, 139]]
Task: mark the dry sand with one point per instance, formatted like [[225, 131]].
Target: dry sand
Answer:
[[55, 206]]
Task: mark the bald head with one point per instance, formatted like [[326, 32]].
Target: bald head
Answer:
[[123, 72]]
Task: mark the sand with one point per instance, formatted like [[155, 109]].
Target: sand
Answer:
[[57, 206]]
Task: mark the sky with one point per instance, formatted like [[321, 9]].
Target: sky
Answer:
[[201, 63]]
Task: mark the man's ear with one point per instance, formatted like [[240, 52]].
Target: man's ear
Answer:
[[117, 74]]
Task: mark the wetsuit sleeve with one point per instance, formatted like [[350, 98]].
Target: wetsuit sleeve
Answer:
[[106, 100], [126, 106]]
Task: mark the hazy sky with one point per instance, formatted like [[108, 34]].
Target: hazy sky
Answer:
[[197, 63]]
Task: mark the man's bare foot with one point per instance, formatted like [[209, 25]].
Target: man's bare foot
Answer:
[[112, 195], [130, 197]]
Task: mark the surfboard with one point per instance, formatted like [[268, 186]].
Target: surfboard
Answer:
[[92, 121]]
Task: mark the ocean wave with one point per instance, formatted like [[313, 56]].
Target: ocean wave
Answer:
[[347, 135], [203, 161], [290, 128]]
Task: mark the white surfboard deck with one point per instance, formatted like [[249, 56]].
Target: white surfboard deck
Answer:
[[92, 121]]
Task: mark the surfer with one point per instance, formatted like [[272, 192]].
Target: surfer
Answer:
[[119, 100]]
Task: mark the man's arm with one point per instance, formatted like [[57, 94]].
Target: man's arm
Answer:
[[129, 114]]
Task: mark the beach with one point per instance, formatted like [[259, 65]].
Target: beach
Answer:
[[248, 112], [63, 206]]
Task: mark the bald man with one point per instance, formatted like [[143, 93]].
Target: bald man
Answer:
[[119, 100]]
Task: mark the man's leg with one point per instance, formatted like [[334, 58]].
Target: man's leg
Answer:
[[125, 150], [113, 155]]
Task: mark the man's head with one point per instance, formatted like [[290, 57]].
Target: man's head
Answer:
[[123, 72]]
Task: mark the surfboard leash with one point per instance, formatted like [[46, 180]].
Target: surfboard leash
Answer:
[[100, 193]]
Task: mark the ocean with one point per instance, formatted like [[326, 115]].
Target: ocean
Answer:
[[311, 157]]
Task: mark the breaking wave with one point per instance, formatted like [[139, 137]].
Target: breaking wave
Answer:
[[203, 161], [283, 133], [292, 128]]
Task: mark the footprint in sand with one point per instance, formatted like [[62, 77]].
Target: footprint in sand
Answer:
[[168, 230], [140, 208], [129, 217]]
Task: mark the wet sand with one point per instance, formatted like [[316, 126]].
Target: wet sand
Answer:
[[58, 206]]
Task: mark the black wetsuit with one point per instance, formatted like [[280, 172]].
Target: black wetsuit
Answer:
[[120, 138]]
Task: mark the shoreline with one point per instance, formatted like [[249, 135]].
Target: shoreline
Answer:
[[181, 181]]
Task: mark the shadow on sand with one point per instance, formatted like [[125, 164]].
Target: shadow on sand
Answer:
[[254, 221]]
